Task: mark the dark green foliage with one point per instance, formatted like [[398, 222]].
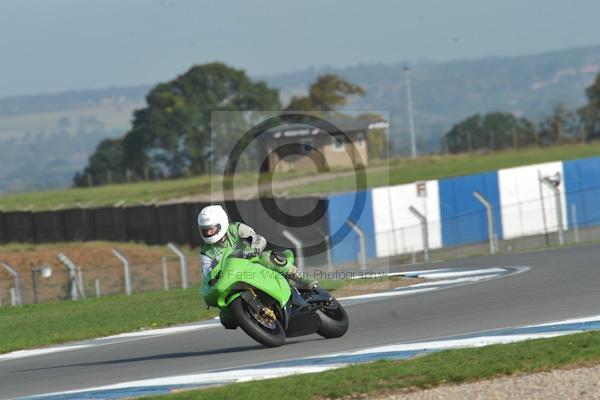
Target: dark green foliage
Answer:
[[107, 157], [493, 131], [327, 93], [590, 113], [171, 136]]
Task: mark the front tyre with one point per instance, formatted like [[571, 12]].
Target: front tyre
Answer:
[[334, 320], [272, 335]]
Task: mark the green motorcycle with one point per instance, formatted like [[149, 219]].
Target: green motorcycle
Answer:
[[261, 301]]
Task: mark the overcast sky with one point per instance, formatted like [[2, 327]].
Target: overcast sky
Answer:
[[58, 45]]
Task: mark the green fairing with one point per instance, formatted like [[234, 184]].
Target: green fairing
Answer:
[[234, 271]]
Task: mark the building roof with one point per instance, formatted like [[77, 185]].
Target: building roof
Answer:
[[342, 126]]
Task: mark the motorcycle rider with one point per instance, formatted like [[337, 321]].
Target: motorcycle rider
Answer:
[[219, 234]]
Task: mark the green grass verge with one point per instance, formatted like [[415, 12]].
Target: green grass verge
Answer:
[[452, 366], [405, 170], [59, 322], [401, 170], [37, 325]]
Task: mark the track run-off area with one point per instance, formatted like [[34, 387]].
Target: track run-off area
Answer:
[[463, 302]]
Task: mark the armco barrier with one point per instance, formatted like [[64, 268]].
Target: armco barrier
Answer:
[[141, 224], [110, 224], [2, 228], [162, 224], [174, 222], [79, 224], [49, 226], [19, 227]]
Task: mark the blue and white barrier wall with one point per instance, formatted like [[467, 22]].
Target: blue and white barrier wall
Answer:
[[358, 207], [397, 230], [521, 206], [582, 184], [528, 207]]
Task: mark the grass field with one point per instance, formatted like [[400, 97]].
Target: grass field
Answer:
[[404, 170], [113, 117], [400, 170], [59, 322], [36, 325], [446, 367]]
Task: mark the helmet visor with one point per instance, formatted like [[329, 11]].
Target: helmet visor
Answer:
[[210, 231]]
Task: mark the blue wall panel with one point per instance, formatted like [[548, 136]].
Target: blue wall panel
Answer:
[[345, 242], [582, 186], [463, 216]]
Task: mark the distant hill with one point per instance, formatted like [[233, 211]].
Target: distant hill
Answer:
[[443, 94], [42, 103]]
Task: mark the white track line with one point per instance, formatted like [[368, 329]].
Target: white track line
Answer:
[[404, 291], [453, 274]]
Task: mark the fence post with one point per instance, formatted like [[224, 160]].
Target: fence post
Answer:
[[182, 263], [97, 284], [299, 254], [165, 274], [80, 281], [552, 185], [575, 224], [16, 298], [70, 265], [362, 252], [125, 262], [490, 220], [424, 231], [327, 249]]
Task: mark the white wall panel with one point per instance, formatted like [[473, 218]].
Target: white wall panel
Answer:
[[397, 230], [528, 207]]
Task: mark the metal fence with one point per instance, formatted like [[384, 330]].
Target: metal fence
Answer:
[[101, 279]]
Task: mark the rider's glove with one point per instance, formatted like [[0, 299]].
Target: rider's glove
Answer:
[[250, 253]]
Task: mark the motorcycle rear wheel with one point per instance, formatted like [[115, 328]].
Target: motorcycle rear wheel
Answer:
[[334, 321]]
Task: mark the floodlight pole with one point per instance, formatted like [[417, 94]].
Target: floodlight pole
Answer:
[[411, 123]]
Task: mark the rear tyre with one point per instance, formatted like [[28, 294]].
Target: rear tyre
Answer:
[[273, 336], [334, 320]]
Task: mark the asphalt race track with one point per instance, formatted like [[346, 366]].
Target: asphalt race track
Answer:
[[560, 284]]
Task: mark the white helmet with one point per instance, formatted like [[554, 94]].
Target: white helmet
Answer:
[[213, 223]]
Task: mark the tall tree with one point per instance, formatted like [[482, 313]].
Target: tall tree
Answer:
[[559, 127], [590, 113], [328, 92], [107, 160], [493, 131], [171, 135]]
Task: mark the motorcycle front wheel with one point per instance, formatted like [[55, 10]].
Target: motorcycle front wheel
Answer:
[[269, 334]]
